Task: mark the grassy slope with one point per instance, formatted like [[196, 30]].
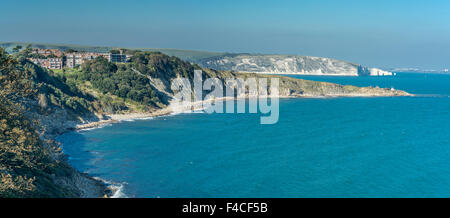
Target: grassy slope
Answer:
[[30, 167]]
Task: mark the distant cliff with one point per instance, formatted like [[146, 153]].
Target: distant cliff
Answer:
[[38, 104], [254, 63], [288, 64]]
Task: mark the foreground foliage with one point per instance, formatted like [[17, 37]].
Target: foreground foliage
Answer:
[[27, 165]]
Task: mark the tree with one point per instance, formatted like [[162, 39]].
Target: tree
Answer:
[[27, 51], [114, 51], [70, 51], [17, 48]]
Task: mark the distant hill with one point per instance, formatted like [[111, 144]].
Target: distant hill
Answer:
[[186, 55], [37, 104], [239, 62]]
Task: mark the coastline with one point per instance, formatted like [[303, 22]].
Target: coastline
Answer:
[[170, 110], [111, 190], [311, 74]]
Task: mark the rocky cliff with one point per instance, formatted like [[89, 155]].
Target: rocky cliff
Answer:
[[288, 64], [254, 63], [37, 104]]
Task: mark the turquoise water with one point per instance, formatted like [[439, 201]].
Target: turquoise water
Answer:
[[332, 147]]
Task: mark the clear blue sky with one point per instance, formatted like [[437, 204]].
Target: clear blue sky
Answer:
[[402, 33]]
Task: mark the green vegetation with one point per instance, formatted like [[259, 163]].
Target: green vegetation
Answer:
[[27, 165], [159, 65], [17, 48], [71, 50], [33, 98], [119, 80], [186, 55]]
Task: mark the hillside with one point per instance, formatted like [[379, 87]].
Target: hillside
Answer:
[[186, 55], [98, 89], [39, 104], [253, 63], [32, 166]]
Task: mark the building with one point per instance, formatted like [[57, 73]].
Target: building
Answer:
[[117, 58], [40, 62], [55, 63], [73, 59], [78, 58], [46, 52], [49, 63]]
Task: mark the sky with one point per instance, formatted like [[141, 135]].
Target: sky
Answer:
[[381, 33]]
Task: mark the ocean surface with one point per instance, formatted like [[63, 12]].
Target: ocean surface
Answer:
[[328, 147]]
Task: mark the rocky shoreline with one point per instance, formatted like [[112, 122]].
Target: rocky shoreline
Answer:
[[55, 103], [94, 187], [115, 118]]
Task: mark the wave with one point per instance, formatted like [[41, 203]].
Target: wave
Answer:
[[201, 111], [118, 191], [127, 120], [96, 127], [134, 119], [145, 118], [116, 188]]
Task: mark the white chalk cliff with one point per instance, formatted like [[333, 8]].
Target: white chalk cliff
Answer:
[[289, 64]]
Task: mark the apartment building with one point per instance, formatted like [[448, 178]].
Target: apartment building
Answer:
[[78, 58], [46, 52], [118, 58], [73, 59], [55, 63], [49, 63]]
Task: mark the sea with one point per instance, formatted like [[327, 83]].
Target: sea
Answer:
[[320, 147]]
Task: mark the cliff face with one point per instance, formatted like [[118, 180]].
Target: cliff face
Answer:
[[285, 64], [100, 89], [32, 165], [253, 63], [38, 104]]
